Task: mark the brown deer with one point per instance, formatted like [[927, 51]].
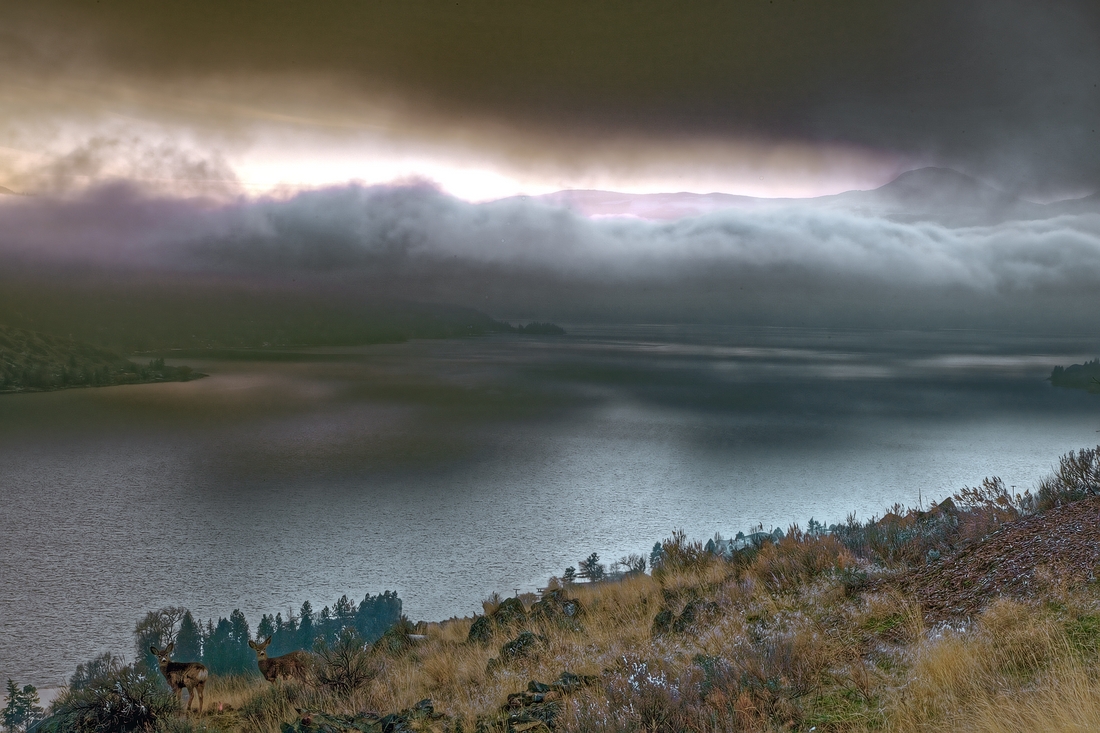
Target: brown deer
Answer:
[[191, 675], [294, 665]]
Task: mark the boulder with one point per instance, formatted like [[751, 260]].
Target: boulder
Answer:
[[509, 614], [555, 607], [522, 646], [420, 717], [481, 630]]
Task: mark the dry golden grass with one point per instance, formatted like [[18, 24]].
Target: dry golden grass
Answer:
[[775, 643]]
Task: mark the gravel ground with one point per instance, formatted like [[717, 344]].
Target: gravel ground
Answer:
[[1024, 559]]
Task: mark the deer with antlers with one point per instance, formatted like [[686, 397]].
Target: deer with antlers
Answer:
[[191, 675], [294, 665]]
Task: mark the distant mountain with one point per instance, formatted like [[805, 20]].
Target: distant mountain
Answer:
[[6, 190], [939, 195]]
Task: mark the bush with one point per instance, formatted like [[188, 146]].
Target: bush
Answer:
[[119, 702], [798, 558], [347, 665], [1077, 477], [678, 554]]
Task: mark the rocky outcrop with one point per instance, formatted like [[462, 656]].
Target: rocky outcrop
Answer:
[[557, 608], [420, 717], [535, 710], [523, 646], [694, 611], [509, 614]]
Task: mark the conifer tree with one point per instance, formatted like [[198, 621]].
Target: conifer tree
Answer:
[[21, 708], [188, 640]]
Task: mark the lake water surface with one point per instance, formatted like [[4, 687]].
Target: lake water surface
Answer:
[[446, 470]]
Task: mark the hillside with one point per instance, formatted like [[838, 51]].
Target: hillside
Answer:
[[980, 613], [32, 361]]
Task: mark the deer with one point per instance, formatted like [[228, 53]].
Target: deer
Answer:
[[191, 675], [293, 665]]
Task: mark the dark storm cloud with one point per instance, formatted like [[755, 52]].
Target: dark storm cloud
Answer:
[[789, 266], [1003, 88]]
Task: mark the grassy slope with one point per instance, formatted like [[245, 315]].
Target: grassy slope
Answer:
[[790, 637], [32, 361]]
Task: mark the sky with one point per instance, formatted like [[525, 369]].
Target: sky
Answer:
[[489, 99], [389, 144]]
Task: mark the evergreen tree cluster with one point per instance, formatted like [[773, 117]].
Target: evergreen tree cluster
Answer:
[[21, 708], [223, 645], [36, 361], [1078, 376], [370, 618]]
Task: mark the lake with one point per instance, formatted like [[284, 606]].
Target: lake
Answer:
[[446, 470]]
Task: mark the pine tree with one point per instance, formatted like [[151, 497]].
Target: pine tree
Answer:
[[266, 627], [188, 640], [22, 708], [592, 568], [306, 632]]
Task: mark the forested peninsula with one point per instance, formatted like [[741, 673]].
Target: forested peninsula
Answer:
[[1078, 376], [36, 362]]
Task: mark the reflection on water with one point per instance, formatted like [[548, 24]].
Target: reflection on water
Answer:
[[449, 469]]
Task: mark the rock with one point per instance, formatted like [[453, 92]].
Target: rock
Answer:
[[695, 610], [522, 646], [481, 630], [420, 717], [662, 622], [508, 614], [536, 708]]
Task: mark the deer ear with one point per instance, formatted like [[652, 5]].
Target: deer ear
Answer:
[[252, 644], [153, 649], [267, 641], [168, 649]]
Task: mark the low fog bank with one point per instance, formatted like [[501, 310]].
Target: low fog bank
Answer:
[[797, 264]]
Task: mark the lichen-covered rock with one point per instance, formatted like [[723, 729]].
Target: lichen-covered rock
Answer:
[[662, 622], [421, 717], [481, 630], [694, 611], [555, 607], [522, 646], [509, 614], [536, 708]]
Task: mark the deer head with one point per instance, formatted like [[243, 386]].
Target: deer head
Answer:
[[162, 654], [261, 648]]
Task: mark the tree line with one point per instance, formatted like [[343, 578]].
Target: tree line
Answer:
[[223, 645]]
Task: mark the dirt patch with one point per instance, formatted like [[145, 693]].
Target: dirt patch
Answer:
[[1024, 559]]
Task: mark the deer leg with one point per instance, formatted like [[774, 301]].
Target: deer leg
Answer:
[[179, 696], [201, 686]]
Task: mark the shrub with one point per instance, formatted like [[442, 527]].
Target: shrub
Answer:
[[346, 665], [122, 701], [1077, 477], [798, 558], [678, 554]]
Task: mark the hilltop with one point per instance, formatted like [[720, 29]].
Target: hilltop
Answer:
[[31, 362]]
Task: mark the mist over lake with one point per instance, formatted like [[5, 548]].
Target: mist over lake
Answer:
[[449, 469]]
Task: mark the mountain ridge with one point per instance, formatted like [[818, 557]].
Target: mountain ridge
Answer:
[[941, 195]]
